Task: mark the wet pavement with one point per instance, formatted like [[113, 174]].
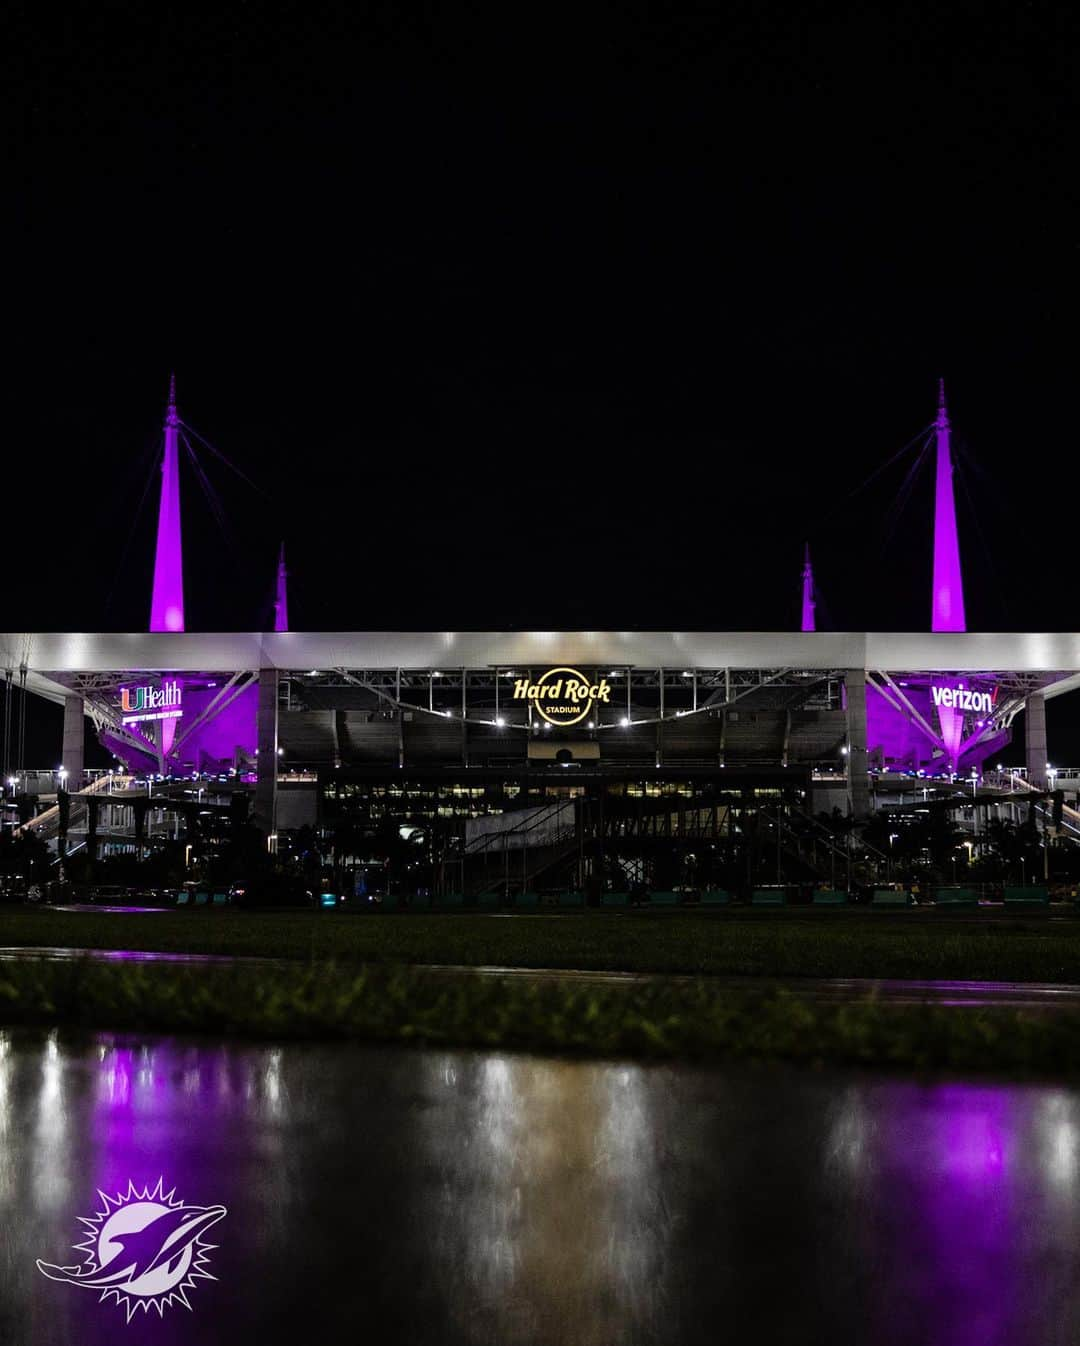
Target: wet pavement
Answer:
[[389, 1195]]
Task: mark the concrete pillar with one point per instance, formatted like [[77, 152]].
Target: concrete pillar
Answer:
[[72, 757], [267, 762], [1035, 740], [858, 775]]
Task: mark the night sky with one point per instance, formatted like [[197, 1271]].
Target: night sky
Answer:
[[542, 326]]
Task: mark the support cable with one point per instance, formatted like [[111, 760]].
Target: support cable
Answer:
[[212, 497], [218, 454]]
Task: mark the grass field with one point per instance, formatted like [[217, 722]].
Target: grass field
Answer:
[[781, 943], [693, 1019]]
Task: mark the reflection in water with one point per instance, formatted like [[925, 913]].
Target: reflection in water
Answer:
[[548, 1210], [465, 1197]]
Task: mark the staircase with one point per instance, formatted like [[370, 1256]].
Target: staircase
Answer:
[[46, 824], [497, 859], [816, 850], [1017, 784]]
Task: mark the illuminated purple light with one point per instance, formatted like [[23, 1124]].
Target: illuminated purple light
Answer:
[[167, 603], [281, 600], [948, 607], [808, 623]]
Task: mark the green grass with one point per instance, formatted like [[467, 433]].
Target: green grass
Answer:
[[694, 1019], [767, 943]]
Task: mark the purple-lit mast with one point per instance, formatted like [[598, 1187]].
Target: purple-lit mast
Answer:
[[807, 593], [167, 603], [948, 610], [281, 600]]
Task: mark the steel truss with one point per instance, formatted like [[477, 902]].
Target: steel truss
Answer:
[[640, 696]]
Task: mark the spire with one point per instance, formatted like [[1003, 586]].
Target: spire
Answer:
[[808, 603], [167, 603], [281, 598], [948, 593]]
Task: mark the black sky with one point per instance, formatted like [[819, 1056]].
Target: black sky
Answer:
[[542, 325]]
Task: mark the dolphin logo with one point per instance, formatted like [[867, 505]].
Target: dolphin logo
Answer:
[[161, 1243], [144, 1249]]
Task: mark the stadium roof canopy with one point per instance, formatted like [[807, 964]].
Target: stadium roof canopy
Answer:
[[50, 658]]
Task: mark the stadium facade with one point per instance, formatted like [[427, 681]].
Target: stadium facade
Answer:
[[426, 729]]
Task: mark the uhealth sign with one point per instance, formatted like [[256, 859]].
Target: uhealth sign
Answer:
[[563, 696], [151, 703]]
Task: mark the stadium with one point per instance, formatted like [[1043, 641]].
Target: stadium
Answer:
[[500, 762]]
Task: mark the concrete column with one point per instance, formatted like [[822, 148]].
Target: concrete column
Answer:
[[1035, 740], [72, 757], [265, 817], [858, 775]]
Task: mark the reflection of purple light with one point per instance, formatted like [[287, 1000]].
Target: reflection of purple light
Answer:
[[951, 1171], [126, 910]]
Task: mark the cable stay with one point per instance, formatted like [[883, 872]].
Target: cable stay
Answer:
[[218, 454], [903, 495]]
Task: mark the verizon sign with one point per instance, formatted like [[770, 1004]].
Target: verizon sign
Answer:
[[964, 699]]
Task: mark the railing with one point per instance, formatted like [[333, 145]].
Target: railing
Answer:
[[43, 821], [1018, 784], [1054, 773], [494, 843]]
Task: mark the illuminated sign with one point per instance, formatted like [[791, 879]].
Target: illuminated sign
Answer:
[[150, 703], [964, 699], [563, 696]]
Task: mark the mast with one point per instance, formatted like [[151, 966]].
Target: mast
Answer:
[[167, 603], [281, 598], [948, 592], [808, 603]]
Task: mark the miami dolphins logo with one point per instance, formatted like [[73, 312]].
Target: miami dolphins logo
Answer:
[[144, 1249]]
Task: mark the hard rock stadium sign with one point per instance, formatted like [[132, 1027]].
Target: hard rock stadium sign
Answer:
[[563, 696]]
